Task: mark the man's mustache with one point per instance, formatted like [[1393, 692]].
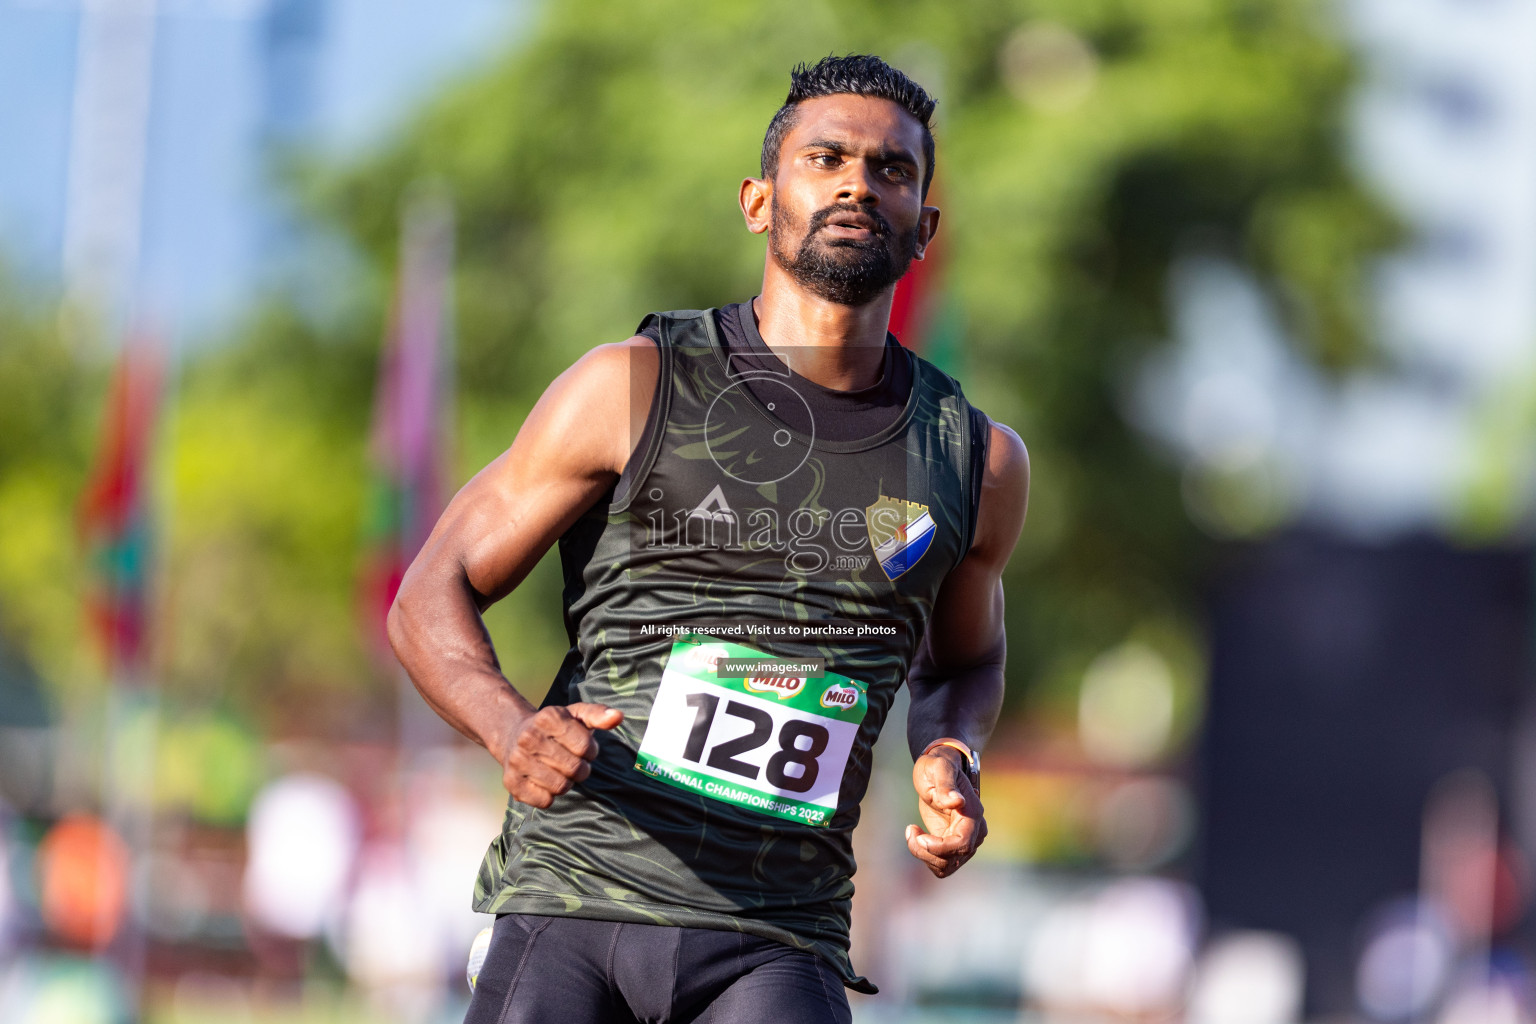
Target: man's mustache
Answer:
[[820, 218]]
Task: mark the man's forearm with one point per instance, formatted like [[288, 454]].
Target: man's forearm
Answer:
[[961, 704], [437, 633]]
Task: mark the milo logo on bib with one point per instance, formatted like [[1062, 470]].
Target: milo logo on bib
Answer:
[[773, 744], [779, 686], [837, 696], [705, 658]]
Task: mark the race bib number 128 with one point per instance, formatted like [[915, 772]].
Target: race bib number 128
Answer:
[[777, 744]]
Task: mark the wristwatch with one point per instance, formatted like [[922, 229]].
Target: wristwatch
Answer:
[[969, 758]]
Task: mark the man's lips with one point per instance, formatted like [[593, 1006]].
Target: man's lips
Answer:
[[852, 225]]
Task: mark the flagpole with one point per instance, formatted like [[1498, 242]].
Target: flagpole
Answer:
[[133, 718], [412, 417], [116, 518]]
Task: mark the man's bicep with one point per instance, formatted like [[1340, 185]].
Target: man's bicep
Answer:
[[567, 453], [965, 628], [1004, 499], [967, 624]]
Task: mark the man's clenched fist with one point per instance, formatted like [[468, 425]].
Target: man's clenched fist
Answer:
[[552, 749]]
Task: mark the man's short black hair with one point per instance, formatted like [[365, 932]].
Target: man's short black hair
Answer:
[[859, 75]]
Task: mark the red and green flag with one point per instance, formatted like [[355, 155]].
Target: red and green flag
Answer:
[[114, 516], [923, 315], [412, 403]]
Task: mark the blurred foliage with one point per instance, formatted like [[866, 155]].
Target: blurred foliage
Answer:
[[266, 470], [205, 767], [1500, 480], [50, 401], [1083, 146]]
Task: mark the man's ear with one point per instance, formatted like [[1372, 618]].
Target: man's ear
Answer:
[[927, 227], [757, 204]]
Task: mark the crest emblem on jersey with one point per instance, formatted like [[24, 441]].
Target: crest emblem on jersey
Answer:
[[899, 531]]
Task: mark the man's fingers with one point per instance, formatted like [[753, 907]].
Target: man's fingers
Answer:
[[945, 845], [919, 849], [543, 776], [577, 722], [525, 790], [944, 852], [938, 772], [969, 832], [564, 764], [595, 716], [560, 758], [939, 846], [951, 808], [936, 863], [554, 750], [555, 727]]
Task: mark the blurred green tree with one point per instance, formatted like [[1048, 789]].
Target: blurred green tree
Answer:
[[49, 407], [264, 467]]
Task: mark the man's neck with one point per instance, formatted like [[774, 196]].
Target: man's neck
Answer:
[[836, 346]]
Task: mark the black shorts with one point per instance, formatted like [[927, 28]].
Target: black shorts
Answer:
[[569, 970]]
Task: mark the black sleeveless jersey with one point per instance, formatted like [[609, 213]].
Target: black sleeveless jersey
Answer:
[[751, 602]]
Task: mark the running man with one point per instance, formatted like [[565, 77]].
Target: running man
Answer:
[[770, 516]]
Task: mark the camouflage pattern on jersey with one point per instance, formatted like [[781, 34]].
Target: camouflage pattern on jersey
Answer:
[[735, 518]]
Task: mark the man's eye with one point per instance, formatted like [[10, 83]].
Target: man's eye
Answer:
[[896, 172], [824, 160]]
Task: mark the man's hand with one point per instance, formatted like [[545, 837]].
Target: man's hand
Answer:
[[553, 750], [951, 813]]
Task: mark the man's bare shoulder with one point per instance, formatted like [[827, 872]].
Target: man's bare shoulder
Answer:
[[1007, 469], [605, 398], [612, 363], [1004, 494]]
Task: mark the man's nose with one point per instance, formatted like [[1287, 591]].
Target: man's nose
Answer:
[[858, 184]]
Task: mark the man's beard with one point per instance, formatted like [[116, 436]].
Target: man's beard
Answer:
[[847, 271]]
